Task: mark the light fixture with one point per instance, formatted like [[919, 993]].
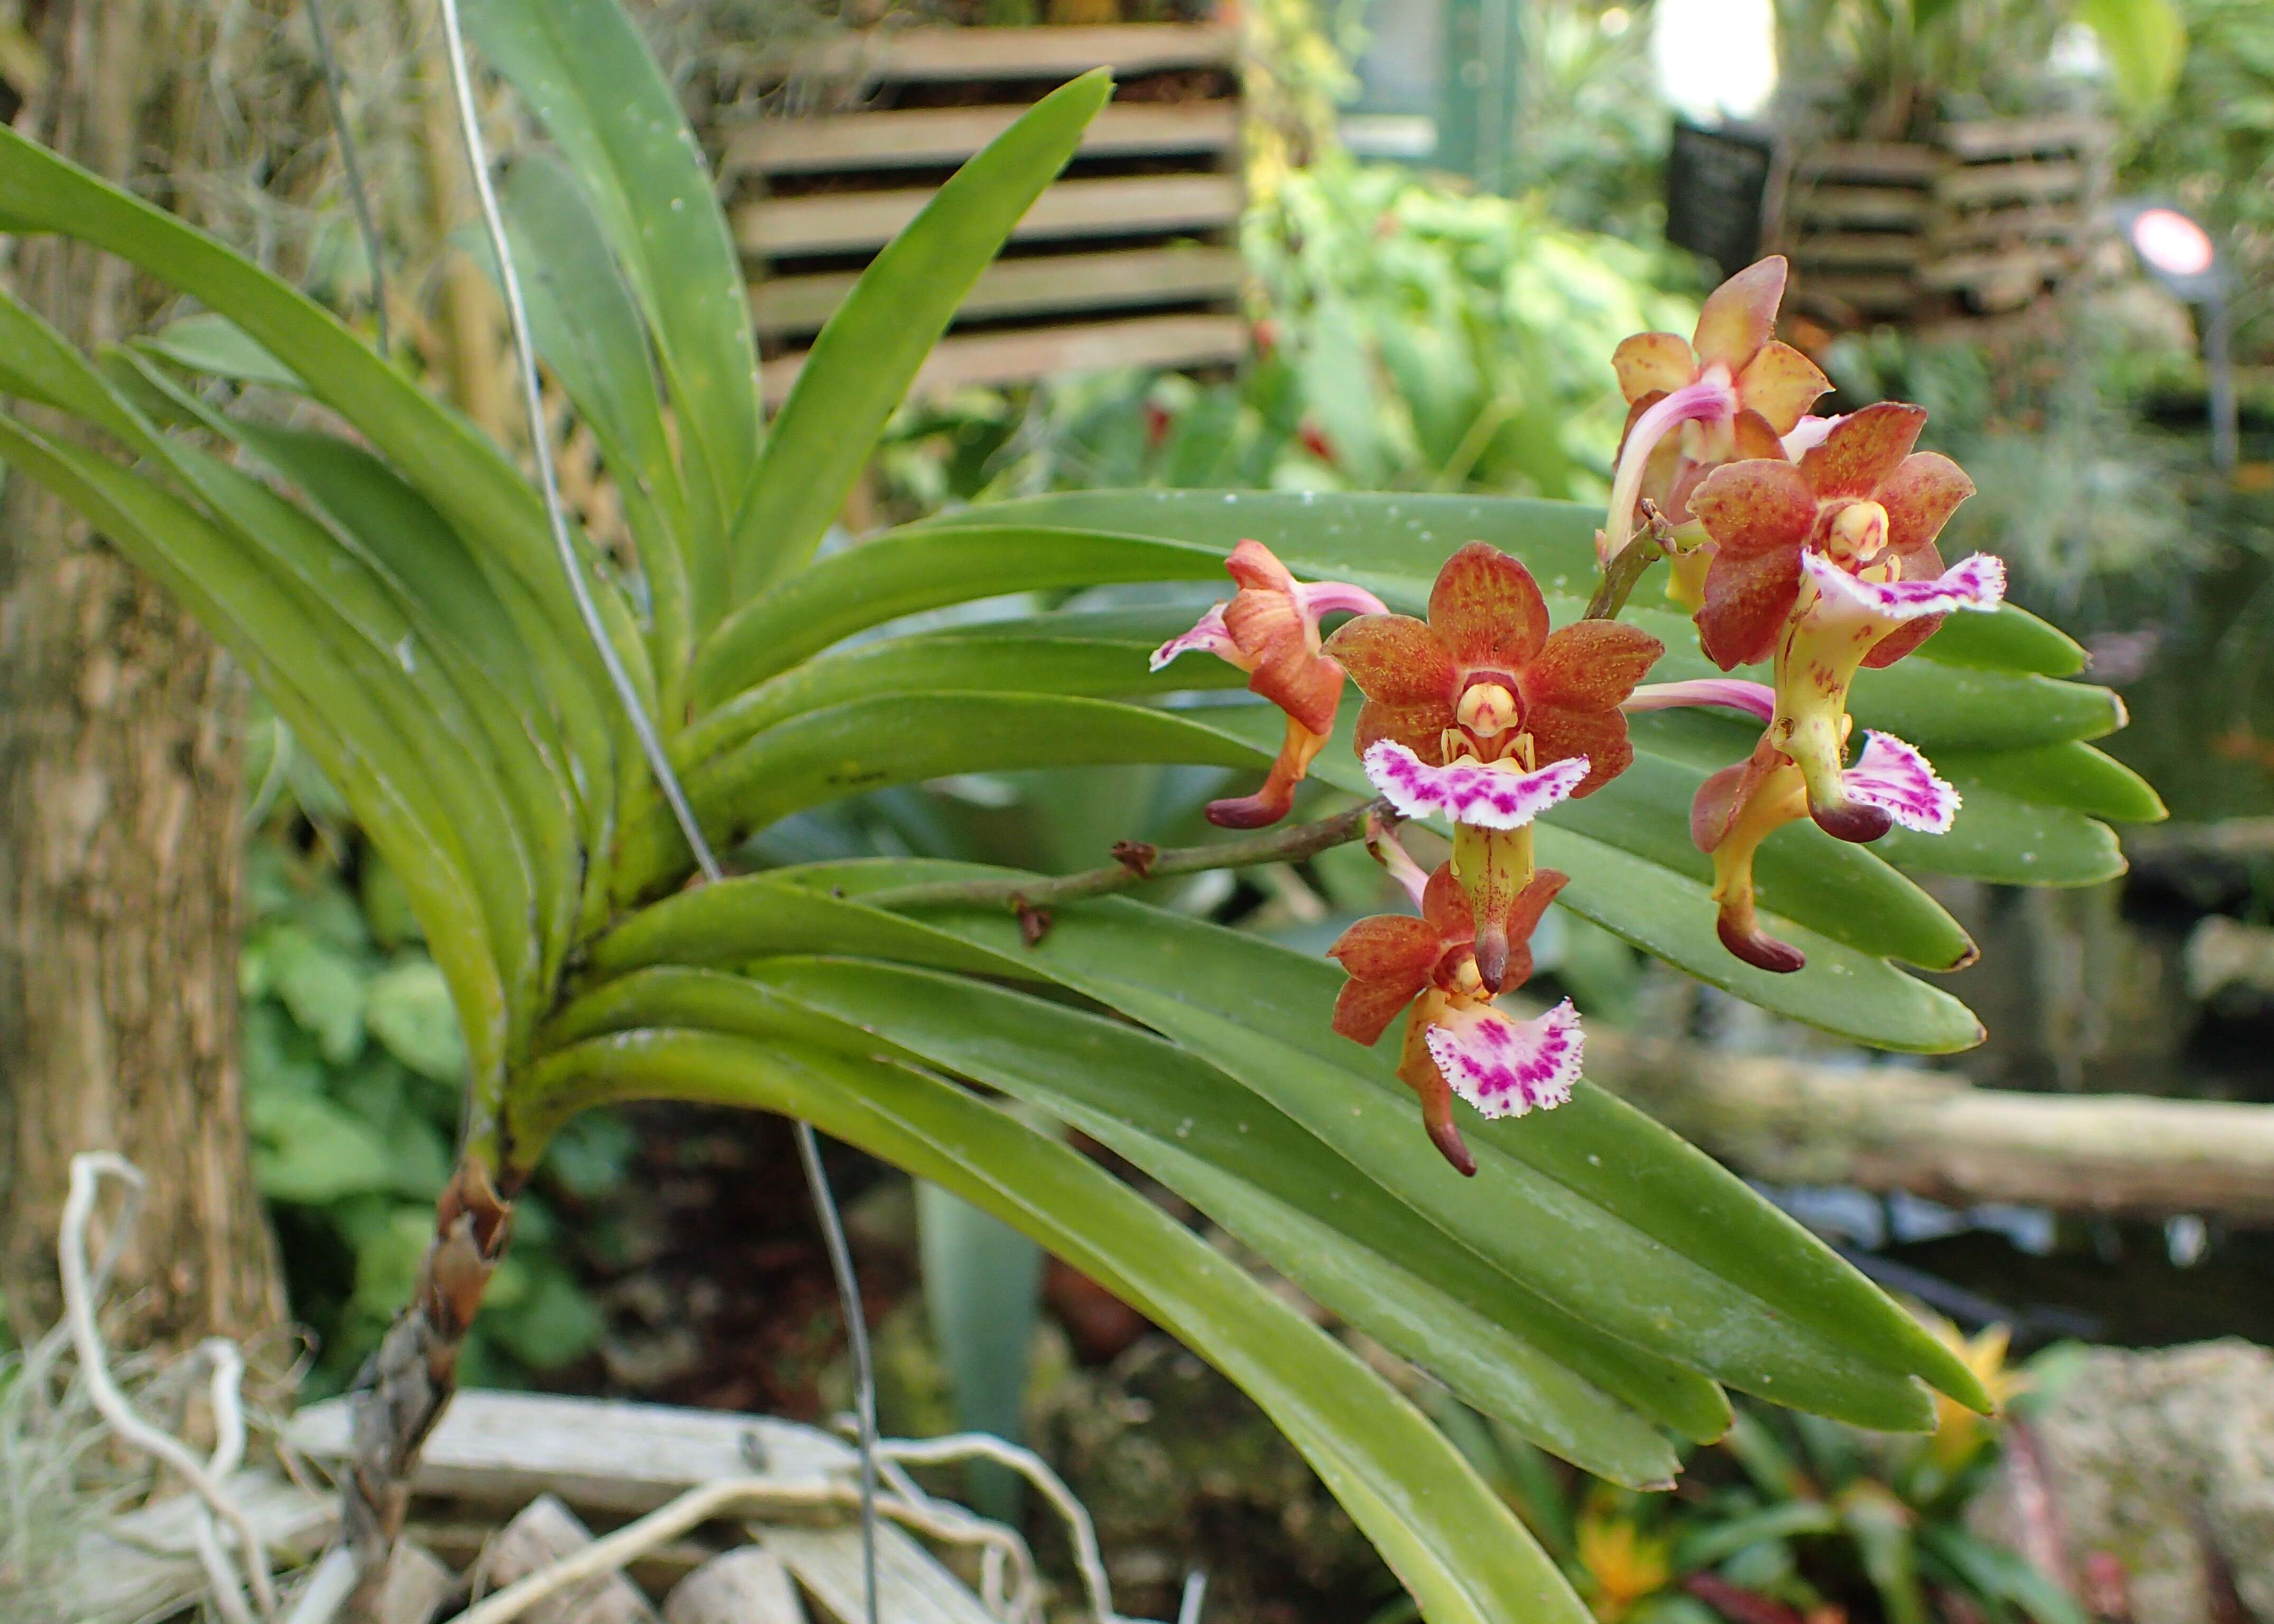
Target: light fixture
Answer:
[[2173, 248], [1715, 59]]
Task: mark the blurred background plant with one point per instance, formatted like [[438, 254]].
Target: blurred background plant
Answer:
[[1790, 1518]]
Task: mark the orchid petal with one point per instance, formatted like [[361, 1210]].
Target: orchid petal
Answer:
[[1208, 636], [1486, 608], [1258, 570], [1397, 660], [1597, 736], [1504, 1067], [1977, 582], [1920, 496], [1383, 845], [1757, 506], [1756, 700], [1590, 664], [1895, 778], [1740, 315], [1781, 384], [1653, 361], [1864, 448], [1469, 791]]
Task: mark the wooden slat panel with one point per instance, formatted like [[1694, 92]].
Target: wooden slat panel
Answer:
[[905, 55], [1894, 161], [1972, 269], [1865, 293], [934, 135], [1129, 278], [841, 221], [1860, 205], [1999, 183], [2059, 222], [600, 1454], [1896, 248], [1028, 354], [2015, 138]]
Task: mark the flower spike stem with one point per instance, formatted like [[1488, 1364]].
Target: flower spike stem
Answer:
[[1627, 568], [1028, 898]]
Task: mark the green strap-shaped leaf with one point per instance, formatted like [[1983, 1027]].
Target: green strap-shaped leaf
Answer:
[[587, 75], [465, 476], [1451, 1541], [356, 746], [860, 367], [501, 629], [1315, 1219], [906, 572], [2069, 774], [1093, 656], [870, 743], [1245, 984], [1402, 538], [589, 329]]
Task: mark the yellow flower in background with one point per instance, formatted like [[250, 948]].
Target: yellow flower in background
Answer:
[[1623, 1565], [1959, 1432]]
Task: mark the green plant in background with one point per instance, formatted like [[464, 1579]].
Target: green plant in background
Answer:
[[1443, 342], [395, 593], [1883, 69], [1790, 1517]]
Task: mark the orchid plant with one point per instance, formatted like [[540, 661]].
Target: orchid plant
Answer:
[[385, 574]]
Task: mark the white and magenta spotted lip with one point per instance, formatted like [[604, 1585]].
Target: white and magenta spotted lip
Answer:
[[1208, 633], [1504, 1067], [1468, 791], [1974, 582], [1893, 777]]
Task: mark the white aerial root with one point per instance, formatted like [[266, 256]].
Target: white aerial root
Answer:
[[82, 1287]]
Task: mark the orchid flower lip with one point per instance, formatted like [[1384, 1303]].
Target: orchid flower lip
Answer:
[[1756, 700], [1893, 777], [1977, 582], [1208, 633], [1505, 1067], [1469, 791]]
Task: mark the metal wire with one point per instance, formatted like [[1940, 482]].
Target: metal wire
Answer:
[[809, 1147], [366, 222]]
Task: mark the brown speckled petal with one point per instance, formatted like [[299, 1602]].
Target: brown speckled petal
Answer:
[[1864, 448], [1487, 609]]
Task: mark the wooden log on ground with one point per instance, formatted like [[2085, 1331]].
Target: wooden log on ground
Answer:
[[1890, 1128]]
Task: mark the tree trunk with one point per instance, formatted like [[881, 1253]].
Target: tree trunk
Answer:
[[119, 801]]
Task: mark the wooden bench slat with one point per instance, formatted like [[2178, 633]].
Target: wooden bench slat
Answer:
[[1996, 182], [600, 1454], [935, 135], [914, 54], [843, 222], [1124, 278], [1027, 354]]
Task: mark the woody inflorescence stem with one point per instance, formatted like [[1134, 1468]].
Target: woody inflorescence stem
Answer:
[[1134, 863], [1628, 565]]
